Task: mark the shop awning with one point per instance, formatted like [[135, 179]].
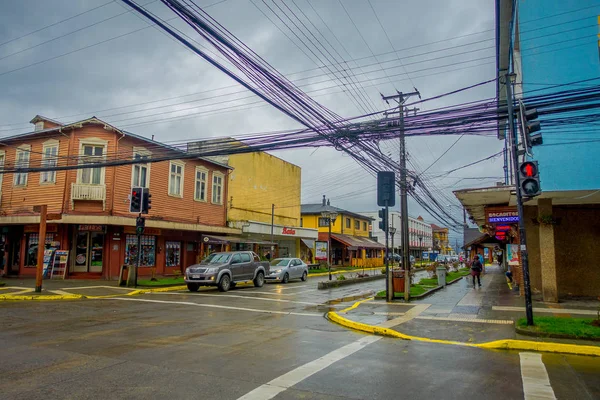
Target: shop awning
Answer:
[[309, 243], [214, 239], [357, 242]]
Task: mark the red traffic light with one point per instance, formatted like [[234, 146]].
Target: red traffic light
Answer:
[[528, 169]]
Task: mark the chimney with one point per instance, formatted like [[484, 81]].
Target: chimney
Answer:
[[324, 201], [328, 203]]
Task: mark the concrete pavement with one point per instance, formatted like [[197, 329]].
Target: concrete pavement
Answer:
[[253, 343]]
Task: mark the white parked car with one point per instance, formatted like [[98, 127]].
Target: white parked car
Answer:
[[284, 269]]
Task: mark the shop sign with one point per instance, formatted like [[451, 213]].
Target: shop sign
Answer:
[[288, 231], [502, 215], [91, 228], [50, 228], [147, 231], [321, 251]]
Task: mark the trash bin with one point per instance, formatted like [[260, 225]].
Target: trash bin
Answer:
[[441, 275], [398, 280]]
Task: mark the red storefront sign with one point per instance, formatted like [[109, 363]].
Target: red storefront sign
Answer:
[[288, 231]]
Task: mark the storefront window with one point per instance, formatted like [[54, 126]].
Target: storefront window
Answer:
[[173, 253], [32, 247], [148, 250]]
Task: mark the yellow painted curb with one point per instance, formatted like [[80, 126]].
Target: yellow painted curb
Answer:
[[43, 297], [341, 272], [353, 306], [505, 344]]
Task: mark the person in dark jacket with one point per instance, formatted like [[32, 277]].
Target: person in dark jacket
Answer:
[[476, 269]]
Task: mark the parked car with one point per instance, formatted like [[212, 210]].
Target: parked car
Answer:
[[225, 270], [284, 269]]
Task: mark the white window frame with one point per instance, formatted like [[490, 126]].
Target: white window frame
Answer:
[[2, 161], [96, 142], [39, 126], [181, 164], [25, 148], [143, 153], [205, 171], [216, 174], [51, 175]]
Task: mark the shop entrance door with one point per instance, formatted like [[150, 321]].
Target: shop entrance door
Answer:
[[89, 251]]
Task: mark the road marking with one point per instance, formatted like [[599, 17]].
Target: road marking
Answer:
[[547, 310], [467, 319], [61, 292], [295, 376], [281, 294], [187, 303], [536, 384], [410, 314], [290, 288], [240, 297]]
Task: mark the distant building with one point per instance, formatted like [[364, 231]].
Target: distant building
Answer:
[[441, 242], [420, 234], [351, 244]]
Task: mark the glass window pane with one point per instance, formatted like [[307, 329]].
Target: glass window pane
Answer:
[[136, 175], [98, 151], [96, 176], [87, 150], [143, 171], [85, 175]]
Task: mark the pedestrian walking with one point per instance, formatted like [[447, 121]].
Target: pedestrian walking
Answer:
[[476, 268]]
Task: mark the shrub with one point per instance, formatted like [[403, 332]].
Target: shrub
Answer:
[[341, 277]]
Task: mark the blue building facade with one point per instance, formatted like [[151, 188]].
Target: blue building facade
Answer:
[[557, 42]]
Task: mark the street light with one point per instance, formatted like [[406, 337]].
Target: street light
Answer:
[[421, 248], [392, 231], [331, 216]]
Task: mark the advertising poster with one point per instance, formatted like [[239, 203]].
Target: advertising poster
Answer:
[[321, 251], [512, 254]]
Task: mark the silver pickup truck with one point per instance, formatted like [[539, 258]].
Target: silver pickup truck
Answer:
[[225, 270]]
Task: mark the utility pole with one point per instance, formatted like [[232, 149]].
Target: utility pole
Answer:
[[43, 210], [401, 98], [515, 160], [272, 225]]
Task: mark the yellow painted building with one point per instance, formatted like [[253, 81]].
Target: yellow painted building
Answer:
[[264, 202], [440, 239], [350, 241]]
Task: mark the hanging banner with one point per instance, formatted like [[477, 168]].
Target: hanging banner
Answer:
[[321, 251], [512, 254]]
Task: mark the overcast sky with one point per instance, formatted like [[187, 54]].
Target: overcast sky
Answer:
[[46, 73]]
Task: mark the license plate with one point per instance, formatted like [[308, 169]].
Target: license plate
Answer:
[[195, 276]]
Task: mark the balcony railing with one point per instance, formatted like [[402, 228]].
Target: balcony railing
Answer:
[[80, 191]]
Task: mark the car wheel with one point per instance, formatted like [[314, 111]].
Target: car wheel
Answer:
[[286, 278], [304, 276], [224, 283], [193, 287], [260, 279]]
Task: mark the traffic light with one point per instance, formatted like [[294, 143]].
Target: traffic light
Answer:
[[140, 224], [529, 179], [135, 202], [383, 224], [386, 185], [146, 200], [529, 125]]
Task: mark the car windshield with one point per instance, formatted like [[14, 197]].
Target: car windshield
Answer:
[[217, 258], [280, 262]]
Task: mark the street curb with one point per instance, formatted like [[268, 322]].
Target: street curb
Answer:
[[346, 282], [504, 344], [8, 297], [527, 332], [341, 271], [361, 296]]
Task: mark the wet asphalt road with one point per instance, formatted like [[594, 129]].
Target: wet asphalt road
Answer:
[[258, 343]]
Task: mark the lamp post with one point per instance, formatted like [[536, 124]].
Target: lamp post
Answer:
[[331, 216], [421, 248], [392, 231]]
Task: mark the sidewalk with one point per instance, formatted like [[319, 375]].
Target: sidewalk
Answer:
[[463, 314]]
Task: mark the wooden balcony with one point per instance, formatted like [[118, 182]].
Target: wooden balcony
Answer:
[[84, 192]]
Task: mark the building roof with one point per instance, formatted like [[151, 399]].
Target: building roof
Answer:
[[438, 228], [316, 209], [94, 120], [357, 242]]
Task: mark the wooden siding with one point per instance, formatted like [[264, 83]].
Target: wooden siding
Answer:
[[20, 200]]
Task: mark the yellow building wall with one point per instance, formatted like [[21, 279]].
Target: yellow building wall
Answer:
[[259, 180], [312, 221]]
